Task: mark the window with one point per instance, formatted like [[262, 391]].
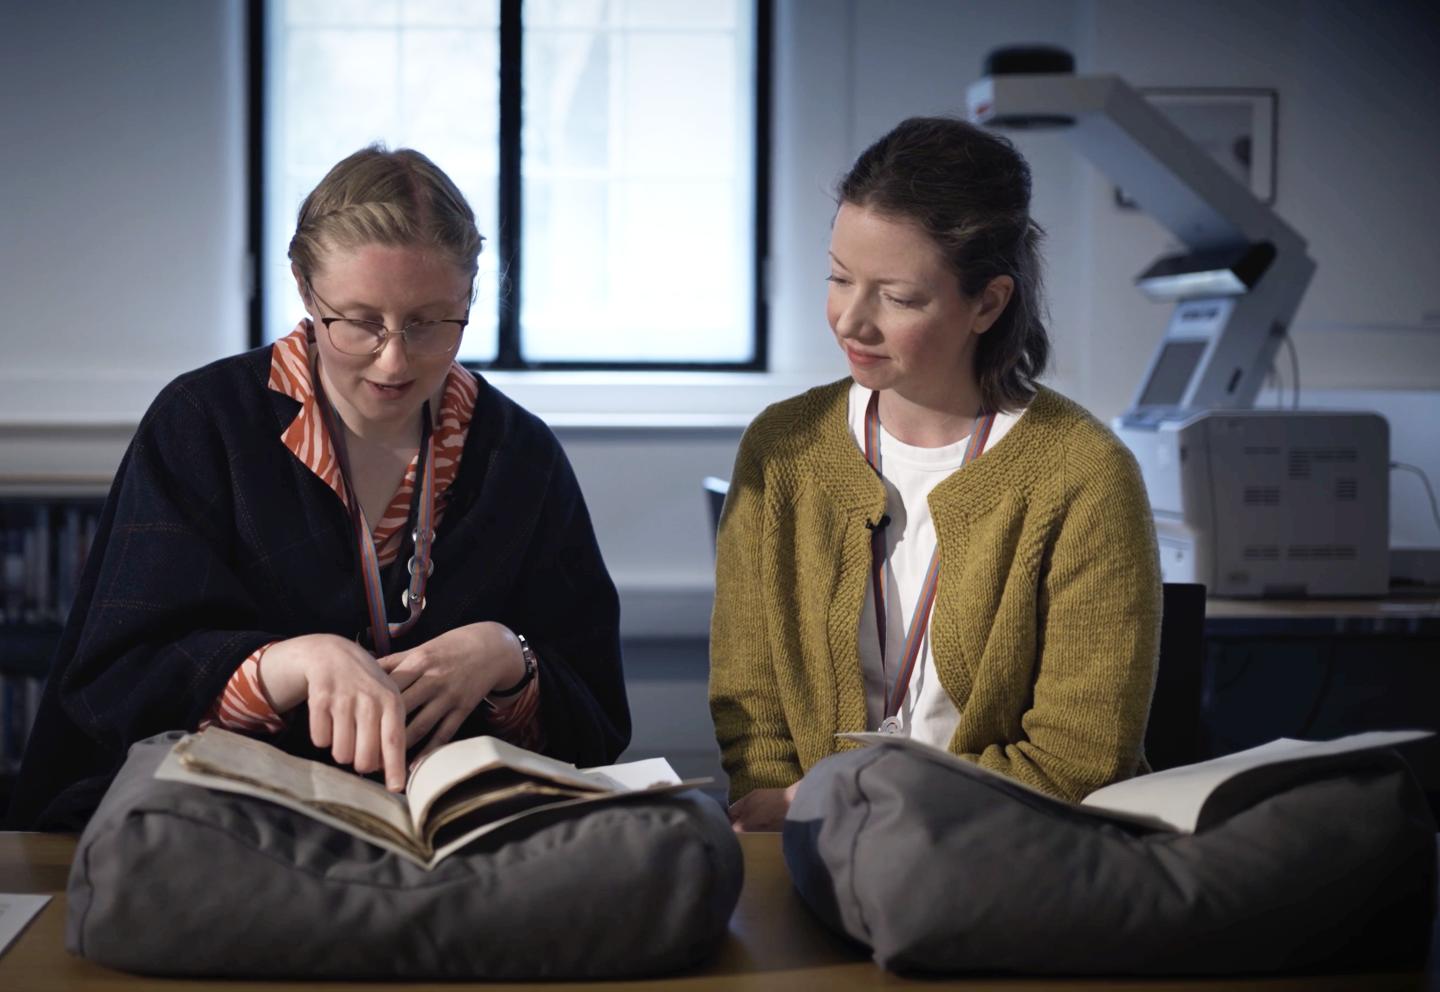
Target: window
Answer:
[[613, 152]]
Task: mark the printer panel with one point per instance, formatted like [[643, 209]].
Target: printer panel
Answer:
[[1301, 503]]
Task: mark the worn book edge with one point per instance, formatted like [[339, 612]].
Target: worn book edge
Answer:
[[608, 783]]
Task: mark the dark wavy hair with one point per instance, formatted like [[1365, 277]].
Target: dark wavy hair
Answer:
[[969, 189]]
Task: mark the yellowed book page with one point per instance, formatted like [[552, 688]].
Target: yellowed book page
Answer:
[[343, 818], [448, 812], [236, 763], [462, 799], [451, 847], [445, 767]]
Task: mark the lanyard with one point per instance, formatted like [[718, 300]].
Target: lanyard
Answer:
[[920, 618], [420, 565]]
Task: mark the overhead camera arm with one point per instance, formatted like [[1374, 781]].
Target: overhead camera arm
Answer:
[[1174, 180]]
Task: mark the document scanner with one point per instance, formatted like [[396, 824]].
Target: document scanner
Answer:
[[1249, 502]]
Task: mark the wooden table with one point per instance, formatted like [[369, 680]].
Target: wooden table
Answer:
[[1397, 615], [774, 944]]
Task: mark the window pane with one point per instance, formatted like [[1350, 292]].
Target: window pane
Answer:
[[638, 172], [451, 13], [567, 13], [639, 271], [680, 14], [321, 64], [349, 13], [410, 73]]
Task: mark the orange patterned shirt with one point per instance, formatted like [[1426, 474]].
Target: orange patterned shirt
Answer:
[[243, 705]]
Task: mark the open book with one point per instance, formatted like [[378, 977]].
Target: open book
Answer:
[[1192, 797], [455, 793]]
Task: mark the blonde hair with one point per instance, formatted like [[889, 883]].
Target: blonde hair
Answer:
[[375, 196]]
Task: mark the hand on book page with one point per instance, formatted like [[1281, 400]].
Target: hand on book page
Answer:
[[235, 763], [1177, 798], [456, 793]]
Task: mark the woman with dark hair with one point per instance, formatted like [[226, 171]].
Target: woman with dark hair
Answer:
[[936, 546], [345, 542]]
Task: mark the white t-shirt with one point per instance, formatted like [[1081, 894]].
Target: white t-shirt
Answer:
[[927, 713]]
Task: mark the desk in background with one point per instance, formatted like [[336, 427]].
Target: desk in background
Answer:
[[774, 944], [1418, 616], [1322, 669]]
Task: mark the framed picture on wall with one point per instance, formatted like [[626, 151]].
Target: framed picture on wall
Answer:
[[1236, 126]]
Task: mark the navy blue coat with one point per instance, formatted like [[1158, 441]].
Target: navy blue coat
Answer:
[[215, 540]]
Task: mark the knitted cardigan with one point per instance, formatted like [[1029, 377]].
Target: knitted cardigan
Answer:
[[1046, 621]]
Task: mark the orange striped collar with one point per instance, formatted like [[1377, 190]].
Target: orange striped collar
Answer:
[[291, 372]]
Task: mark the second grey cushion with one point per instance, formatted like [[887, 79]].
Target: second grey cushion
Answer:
[[176, 879], [946, 869]]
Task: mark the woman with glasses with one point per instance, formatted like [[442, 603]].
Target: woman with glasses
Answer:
[[345, 542], [936, 546]]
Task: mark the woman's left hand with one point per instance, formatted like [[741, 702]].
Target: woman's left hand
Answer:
[[443, 680], [761, 809]]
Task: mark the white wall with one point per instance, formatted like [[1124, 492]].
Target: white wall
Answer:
[[122, 153], [122, 210]]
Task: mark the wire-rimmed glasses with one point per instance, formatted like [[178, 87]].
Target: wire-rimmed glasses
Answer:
[[354, 336]]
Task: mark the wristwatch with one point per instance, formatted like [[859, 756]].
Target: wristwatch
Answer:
[[529, 655]]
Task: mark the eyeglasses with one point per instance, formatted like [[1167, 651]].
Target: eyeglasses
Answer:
[[351, 336]]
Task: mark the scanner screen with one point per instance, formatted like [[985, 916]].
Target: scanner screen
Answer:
[[1172, 373]]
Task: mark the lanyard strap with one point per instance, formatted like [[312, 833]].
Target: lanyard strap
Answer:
[[920, 618], [420, 566]]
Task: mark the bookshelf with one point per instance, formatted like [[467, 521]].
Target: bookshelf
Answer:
[[44, 539], [55, 470]]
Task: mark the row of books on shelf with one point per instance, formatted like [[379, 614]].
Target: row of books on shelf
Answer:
[[42, 550], [19, 701]]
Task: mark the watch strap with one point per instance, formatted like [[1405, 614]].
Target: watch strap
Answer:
[[528, 654]]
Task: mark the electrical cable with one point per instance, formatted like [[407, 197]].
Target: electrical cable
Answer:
[[1425, 479], [1294, 369], [1321, 693], [1274, 382], [1236, 675]]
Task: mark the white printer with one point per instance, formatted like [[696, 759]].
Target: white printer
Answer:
[[1270, 502]]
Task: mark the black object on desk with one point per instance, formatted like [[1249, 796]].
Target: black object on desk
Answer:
[[1172, 735]]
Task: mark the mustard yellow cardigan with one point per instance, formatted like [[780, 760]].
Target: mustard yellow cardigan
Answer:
[[1045, 626]]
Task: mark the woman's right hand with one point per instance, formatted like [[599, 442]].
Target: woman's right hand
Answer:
[[355, 707]]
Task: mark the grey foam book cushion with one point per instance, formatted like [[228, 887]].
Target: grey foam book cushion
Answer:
[[945, 869], [176, 879]]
